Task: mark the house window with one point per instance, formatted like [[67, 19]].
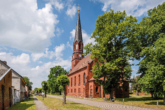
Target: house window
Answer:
[[84, 78], [79, 79], [78, 90], [74, 90], [96, 89], [75, 80], [125, 90], [68, 90], [71, 82], [71, 90]]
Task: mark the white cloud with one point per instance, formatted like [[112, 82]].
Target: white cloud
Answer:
[[134, 70], [24, 26], [71, 11], [49, 54], [57, 4], [69, 45], [132, 7], [59, 31], [130, 61], [36, 74], [21, 59], [85, 36]]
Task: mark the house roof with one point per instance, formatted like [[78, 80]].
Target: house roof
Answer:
[[3, 73], [8, 67], [81, 64]]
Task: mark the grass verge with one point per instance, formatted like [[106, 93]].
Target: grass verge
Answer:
[[133, 100], [24, 105], [56, 104]]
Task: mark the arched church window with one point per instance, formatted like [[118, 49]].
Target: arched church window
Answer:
[[79, 79], [96, 89], [75, 80], [84, 78], [76, 46], [79, 46]]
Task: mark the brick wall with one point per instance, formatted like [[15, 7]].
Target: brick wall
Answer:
[[78, 89], [7, 82]]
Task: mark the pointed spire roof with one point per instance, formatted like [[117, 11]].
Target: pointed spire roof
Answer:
[[78, 34]]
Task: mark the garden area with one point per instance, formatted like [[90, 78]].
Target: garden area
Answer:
[[24, 105]]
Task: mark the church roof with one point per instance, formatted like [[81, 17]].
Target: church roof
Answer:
[[81, 64], [78, 34]]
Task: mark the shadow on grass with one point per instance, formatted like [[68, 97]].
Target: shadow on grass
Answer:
[[23, 105], [74, 103], [154, 103]]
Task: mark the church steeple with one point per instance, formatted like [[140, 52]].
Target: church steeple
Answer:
[[78, 34], [78, 43]]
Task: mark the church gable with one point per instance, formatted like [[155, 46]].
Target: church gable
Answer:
[[81, 64]]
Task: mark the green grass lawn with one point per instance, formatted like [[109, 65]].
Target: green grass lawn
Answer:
[[24, 105], [56, 104], [141, 101]]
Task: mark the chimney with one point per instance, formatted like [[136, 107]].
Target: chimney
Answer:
[[4, 62]]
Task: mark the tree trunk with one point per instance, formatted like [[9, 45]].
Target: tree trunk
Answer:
[[60, 92], [111, 95], [164, 99], [152, 94], [137, 92], [64, 96], [45, 93]]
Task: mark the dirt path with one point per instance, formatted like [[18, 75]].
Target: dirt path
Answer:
[[104, 105], [39, 105]]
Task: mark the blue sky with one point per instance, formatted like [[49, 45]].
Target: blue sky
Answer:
[[36, 35]]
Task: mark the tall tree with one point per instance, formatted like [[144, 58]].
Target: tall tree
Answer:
[[151, 30], [39, 90], [44, 85], [35, 90], [28, 83], [154, 79], [52, 77], [63, 80], [113, 34]]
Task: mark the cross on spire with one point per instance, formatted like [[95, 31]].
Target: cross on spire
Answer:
[[78, 8]]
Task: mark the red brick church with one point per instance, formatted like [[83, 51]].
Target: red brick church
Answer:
[[82, 84]]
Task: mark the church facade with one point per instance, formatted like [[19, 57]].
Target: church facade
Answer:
[[82, 84]]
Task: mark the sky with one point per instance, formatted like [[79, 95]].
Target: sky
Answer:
[[36, 35]]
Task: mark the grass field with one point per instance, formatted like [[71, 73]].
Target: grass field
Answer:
[[133, 100], [24, 105], [56, 104]]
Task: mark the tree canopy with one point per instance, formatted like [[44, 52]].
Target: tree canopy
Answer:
[[63, 80], [52, 77], [113, 34], [28, 83]]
